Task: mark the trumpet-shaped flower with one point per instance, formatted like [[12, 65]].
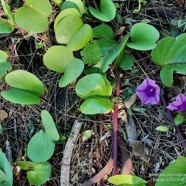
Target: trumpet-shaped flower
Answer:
[[179, 104], [148, 92]]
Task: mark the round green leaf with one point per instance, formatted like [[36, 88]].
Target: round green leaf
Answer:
[[6, 169], [80, 38], [57, 58], [69, 4], [178, 119], [4, 67], [37, 173], [67, 27], [126, 61], [96, 106], [3, 56], [72, 72], [126, 180], [31, 20], [26, 81], [107, 11], [20, 96], [64, 13], [143, 36], [40, 147], [5, 27], [49, 125], [93, 85], [80, 5], [2, 176], [103, 31]]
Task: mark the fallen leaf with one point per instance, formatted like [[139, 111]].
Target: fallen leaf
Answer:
[[3, 115]]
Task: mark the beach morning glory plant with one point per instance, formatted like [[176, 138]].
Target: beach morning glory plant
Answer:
[[179, 104], [148, 92]]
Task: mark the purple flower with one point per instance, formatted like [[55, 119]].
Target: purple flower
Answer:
[[148, 92], [179, 104]]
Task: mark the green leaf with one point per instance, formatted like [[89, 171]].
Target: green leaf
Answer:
[[58, 1], [126, 62], [20, 96], [86, 135], [166, 75], [96, 51], [7, 11], [57, 58], [67, 27], [33, 16], [107, 11], [24, 80], [80, 38], [64, 13], [143, 36], [126, 180], [174, 174], [4, 67], [40, 147], [37, 173], [3, 56], [6, 169], [103, 31], [5, 27], [2, 176], [162, 128], [69, 4], [49, 125], [72, 72], [178, 119], [96, 106], [93, 85]]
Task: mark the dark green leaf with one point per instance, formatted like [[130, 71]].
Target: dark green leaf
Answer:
[[126, 62], [103, 31]]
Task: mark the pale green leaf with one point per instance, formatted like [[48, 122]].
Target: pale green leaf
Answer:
[[5, 27], [128, 180], [72, 72], [80, 38], [37, 173], [107, 11], [174, 174], [143, 36], [49, 125], [40, 147], [57, 58], [93, 85], [162, 128], [3, 56], [7, 11], [96, 106], [86, 135], [25, 80], [67, 27], [20, 96]]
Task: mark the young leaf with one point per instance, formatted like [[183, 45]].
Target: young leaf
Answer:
[[37, 173], [7, 11], [93, 85], [5, 27], [72, 72], [6, 171], [178, 119], [174, 174], [107, 11], [40, 147], [143, 36], [33, 16], [96, 106], [49, 125], [128, 180], [86, 135]]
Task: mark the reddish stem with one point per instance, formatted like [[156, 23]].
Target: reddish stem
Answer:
[[115, 121]]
